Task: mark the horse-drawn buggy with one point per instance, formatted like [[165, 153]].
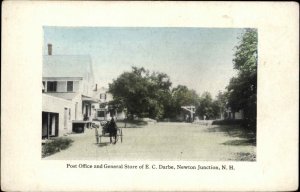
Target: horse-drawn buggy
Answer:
[[109, 129]]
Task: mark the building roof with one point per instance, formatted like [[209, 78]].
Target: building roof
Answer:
[[66, 65]]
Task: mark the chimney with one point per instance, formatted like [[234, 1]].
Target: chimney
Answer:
[[49, 49], [95, 87]]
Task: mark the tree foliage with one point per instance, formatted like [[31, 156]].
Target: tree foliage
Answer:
[[146, 94], [208, 107], [222, 100], [141, 93], [242, 89], [182, 96]]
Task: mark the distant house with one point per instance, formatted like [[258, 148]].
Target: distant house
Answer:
[[102, 110], [229, 114], [68, 83]]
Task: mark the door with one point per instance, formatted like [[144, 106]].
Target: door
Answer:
[[52, 124], [49, 124], [45, 123], [87, 110]]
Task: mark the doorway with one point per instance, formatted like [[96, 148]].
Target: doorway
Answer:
[[49, 124]]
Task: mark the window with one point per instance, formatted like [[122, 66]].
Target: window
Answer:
[[51, 86], [102, 96], [101, 114], [70, 86]]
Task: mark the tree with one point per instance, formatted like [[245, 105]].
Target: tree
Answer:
[[208, 107], [242, 89], [182, 96], [160, 92], [143, 94], [146, 94], [221, 102]]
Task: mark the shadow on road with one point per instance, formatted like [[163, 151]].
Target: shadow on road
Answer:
[[241, 142], [244, 157], [246, 136], [103, 144]]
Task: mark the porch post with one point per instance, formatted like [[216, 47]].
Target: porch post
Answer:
[[48, 125]]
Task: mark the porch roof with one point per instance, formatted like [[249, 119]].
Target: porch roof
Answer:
[[89, 99], [68, 96]]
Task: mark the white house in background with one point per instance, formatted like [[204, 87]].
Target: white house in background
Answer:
[[68, 83], [228, 114], [102, 110]]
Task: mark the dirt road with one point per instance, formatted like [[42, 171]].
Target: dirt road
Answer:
[[164, 141]]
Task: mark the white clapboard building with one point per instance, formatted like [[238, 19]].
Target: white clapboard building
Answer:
[[68, 84]]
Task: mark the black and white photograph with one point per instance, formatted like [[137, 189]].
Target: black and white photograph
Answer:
[[149, 93]]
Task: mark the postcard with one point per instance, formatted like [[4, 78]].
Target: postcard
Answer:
[[150, 96]]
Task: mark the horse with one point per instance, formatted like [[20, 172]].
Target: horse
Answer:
[[112, 129]]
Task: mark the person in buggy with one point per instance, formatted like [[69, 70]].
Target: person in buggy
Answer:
[[112, 130]]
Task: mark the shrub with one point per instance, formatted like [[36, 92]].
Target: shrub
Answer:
[[245, 123], [228, 122], [55, 145]]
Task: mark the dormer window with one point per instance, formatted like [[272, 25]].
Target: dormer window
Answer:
[[102, 96], [70, 86]]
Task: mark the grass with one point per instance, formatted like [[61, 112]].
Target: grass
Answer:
[[55, 145], [246, 136], [241, 136], [247, 124], [245, 157]]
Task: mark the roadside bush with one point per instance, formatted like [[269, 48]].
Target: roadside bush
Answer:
[[228, 122], [245, 123], [55, 145]]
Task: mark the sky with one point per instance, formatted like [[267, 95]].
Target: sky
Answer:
[[200, 58]]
